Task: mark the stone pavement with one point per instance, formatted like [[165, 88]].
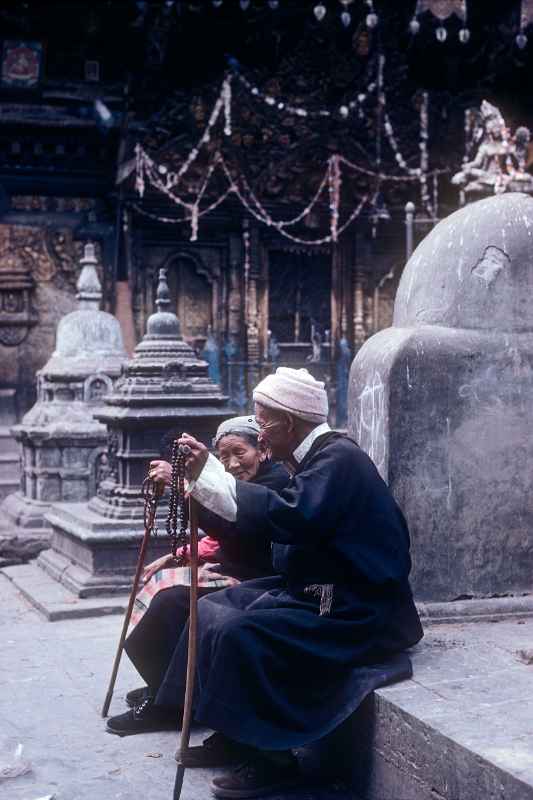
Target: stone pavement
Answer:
[[462, 729], [53, 680]]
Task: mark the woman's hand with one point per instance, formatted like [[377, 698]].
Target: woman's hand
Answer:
[[195, 458], [155, 566], [160, 472]]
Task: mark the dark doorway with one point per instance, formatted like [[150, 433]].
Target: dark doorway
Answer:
[[299, 295]]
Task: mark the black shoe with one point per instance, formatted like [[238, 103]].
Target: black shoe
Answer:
[[136, 696], [256, 778], [144, 718], [216, 751]]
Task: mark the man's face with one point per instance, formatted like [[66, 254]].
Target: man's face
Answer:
[[275, 434]]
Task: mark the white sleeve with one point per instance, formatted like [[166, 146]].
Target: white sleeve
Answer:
[[215, 489]]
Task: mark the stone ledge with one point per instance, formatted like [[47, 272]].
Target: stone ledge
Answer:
[[461, 728], [490, 609], [22, 546]]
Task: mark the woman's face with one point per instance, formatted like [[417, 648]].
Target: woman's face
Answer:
[[238, 457]]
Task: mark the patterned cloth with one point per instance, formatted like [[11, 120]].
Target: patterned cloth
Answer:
[[208, 578]]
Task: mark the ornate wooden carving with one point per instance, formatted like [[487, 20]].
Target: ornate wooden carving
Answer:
[[31, 202], [17, 315]]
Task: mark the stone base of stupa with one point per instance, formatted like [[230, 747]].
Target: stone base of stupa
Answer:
[[95, 556], [24, 533]]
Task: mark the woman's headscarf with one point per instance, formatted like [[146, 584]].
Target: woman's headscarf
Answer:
[[239, 426]]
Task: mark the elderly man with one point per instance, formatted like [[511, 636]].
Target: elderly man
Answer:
[[276, 656]]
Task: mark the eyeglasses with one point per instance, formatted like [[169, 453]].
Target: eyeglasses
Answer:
[[267, 425]]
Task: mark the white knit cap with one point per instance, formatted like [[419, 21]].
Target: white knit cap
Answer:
[[294, 391]]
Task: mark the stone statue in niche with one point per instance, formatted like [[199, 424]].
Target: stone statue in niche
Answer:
[[96, 387], [500, 162]]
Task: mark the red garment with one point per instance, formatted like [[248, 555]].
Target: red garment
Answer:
[[208, 548]]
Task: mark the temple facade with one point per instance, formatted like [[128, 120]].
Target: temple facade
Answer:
[[248, 296]]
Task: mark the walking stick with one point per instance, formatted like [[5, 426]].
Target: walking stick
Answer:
[[192, 648], [151, 492]]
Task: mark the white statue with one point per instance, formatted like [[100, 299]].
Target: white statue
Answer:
[[501, 159]]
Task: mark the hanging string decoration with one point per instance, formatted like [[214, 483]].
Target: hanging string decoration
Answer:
[[284, 107], [170, 182], [424, 156]]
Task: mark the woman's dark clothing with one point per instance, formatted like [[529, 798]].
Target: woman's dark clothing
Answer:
[[245, 558], [280, 659], [151, 644]]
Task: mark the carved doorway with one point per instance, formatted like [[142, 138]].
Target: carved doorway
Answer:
[[191, 292]]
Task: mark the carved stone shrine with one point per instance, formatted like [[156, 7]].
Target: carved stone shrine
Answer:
[[61, 442], [164, 390], [443, 402]]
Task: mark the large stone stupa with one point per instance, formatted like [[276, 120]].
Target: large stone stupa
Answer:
[[61, 442], [443, 403]]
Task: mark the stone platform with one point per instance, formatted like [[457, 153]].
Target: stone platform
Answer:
[[461, 729]]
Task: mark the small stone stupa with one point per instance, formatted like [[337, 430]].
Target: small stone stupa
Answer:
[[61, 442], [164, 390], [443, 403]]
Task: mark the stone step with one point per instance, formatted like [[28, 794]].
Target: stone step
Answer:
[[8, 444], [7, 487], [9, 468], [54, 600], [9, 464]]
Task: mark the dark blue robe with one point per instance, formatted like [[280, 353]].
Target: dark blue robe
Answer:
[[272, 671]]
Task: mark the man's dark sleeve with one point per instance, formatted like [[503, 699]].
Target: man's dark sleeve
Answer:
[[307, 509]]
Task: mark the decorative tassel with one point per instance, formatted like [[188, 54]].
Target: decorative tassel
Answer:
[[325, 592], [226, 95], [194, 222], [139, 170]]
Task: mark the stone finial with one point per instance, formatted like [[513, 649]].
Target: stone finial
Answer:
[[88, 285], [162, 300], [163, 324]]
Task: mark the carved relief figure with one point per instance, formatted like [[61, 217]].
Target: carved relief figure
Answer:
[[491, 264]]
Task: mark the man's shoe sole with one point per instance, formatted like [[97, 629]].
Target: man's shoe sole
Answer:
[[243, 794], [213, 764], [144, 730]]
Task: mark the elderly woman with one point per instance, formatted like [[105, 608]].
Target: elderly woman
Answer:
[[162, 607]]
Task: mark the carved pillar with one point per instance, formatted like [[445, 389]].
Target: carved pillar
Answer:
[[252, 269], [253, 321], [235, 383], [369, 309], [234, 293], [359, 334], [360, 257]]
